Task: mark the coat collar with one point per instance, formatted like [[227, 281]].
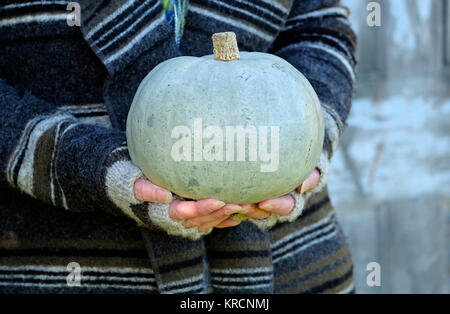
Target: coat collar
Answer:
[[130, 37], [120, 31]]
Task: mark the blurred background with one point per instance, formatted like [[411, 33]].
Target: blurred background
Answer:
[[390, 179]]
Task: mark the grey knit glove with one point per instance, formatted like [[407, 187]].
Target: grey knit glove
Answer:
[[121, 174], [300, 199]]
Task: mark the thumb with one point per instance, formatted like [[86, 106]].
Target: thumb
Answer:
[[145, 191], [310, 182]]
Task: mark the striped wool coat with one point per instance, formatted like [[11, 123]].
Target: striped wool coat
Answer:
[[66, 178]]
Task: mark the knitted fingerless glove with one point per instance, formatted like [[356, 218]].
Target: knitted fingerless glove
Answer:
[[120, 176], [300, 199]]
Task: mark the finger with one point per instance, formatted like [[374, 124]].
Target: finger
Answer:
[[211, 224], [190, 209], [282, 205], [228, 223], [145, 191], [310, 182], [208, 206], [252, 211], [218, 214]]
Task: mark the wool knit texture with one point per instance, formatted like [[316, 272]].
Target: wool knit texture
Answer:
[[66, 179]]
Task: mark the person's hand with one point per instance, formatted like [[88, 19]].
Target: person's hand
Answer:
[[213, 213], [203, 214], [282, 205]]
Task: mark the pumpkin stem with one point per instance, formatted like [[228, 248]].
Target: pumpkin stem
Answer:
[[225, 46]]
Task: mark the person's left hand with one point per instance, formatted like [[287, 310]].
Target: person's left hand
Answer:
[[282, 205]]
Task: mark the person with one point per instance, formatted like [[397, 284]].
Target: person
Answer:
[[78, 216]]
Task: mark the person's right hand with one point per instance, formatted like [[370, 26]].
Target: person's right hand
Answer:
[[203, 214]]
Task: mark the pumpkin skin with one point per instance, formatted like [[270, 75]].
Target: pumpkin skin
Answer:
[[260, 90]]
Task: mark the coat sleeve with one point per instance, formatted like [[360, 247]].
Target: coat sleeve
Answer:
[[318, 40], [51, 155]]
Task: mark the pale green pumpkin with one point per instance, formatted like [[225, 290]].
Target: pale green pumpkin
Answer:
[[258, 91]]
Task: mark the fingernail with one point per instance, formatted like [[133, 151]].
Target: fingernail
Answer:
[[305, 187], [302, 188], [169, 198], [219, 204], [164, 196], [234, 209], [266, 207], [308, 184], [245, 209]]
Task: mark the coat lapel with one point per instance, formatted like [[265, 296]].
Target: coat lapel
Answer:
[[130, 38], [120, 31]]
